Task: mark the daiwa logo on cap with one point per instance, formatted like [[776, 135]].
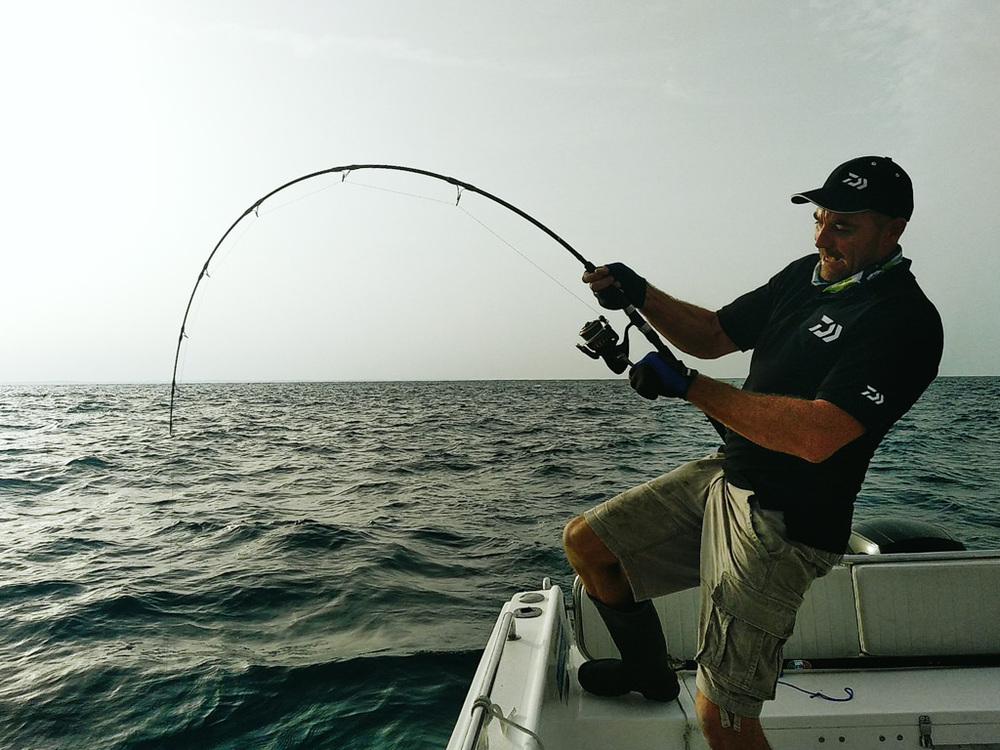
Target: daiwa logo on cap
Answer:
[[858, 183]]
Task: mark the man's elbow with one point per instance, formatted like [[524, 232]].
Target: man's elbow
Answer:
[[818, 453], [715, 346], [821, 445]]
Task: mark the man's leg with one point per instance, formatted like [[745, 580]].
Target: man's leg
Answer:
[[634, 627], [754, 580], [728, 732], [641, 544]]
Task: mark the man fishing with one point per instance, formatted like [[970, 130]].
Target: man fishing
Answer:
[[844, 342]]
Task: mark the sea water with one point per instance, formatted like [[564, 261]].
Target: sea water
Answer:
[[309, 565]]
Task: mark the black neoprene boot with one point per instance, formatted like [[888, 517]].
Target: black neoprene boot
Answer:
[[643, 666]]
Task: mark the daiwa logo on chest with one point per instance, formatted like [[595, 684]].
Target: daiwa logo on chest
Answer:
[[827, 329]]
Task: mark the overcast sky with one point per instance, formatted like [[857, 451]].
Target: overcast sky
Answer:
[[667, 135]]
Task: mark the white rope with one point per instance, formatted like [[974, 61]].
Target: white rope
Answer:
[[493, 711]]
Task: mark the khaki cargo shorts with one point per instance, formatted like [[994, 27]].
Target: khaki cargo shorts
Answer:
[[692, 528]]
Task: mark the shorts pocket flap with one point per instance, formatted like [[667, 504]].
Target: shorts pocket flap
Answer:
[[763, 612]]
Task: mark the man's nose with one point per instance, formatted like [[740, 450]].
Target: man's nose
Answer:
[[823, 237]]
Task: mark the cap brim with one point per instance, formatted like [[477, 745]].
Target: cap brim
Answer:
[[822, 199]]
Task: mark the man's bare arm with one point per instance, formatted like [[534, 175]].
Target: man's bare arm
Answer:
[[692, 329], [811, 430]]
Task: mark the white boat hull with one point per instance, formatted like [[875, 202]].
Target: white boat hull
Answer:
[[910, 679]]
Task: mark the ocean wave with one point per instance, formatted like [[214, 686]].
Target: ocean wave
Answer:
[[20, 487], [53, 547], [33, 592], [308, 535], [88, 462]]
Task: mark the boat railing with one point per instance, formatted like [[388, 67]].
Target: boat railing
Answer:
[[506, 631]]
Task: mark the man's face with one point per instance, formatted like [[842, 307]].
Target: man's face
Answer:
[[847, 243]]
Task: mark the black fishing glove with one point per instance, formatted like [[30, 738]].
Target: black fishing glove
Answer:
[[661, 374], [631, 289]]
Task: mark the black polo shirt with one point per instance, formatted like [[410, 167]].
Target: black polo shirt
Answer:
[[871, 349]]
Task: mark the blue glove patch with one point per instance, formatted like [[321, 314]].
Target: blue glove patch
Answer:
[[661, 374]]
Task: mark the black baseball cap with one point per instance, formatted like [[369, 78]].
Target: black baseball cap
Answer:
[[868, 183]]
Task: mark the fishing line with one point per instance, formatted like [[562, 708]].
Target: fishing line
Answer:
[[295, 200], [195, 310], [529, 260], [397, 192], [481, 223], [231, 246]]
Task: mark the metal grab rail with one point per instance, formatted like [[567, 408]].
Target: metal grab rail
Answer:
[[506, 633]]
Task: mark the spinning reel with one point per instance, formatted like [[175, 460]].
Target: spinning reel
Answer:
[[601, 342]]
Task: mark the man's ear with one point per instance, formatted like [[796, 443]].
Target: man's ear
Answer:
[[896, 227]]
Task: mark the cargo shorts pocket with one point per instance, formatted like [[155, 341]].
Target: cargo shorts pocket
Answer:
[[743, 638]]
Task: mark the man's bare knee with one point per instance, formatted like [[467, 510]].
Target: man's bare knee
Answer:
[[573, 531], [584, 546], [597, 566]]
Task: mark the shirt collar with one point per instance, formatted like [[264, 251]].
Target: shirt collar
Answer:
[[864, 275]]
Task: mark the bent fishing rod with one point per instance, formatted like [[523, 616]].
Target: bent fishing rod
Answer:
[[601, 341]]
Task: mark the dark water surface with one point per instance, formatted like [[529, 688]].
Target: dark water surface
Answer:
[[318, 565]]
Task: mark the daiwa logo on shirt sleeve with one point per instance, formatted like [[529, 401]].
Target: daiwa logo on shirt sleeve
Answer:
[[873, 395], [827, 329]]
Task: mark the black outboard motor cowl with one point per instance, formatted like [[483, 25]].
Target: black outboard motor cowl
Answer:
[[882, 536]]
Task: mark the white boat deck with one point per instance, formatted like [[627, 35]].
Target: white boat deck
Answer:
[[962, 706]]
